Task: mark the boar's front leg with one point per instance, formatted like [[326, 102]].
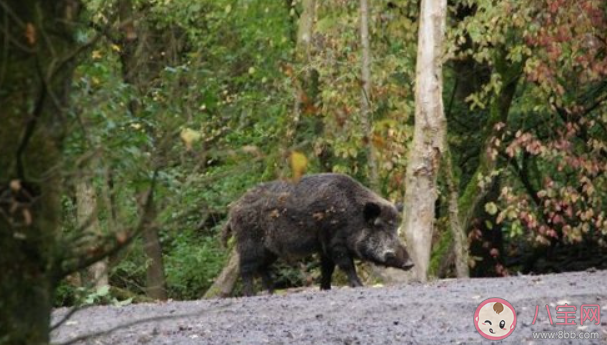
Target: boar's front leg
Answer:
[[247, 284], [266, 280], [343, 259], [327, 266], [253, 261]]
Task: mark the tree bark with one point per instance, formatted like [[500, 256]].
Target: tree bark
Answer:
[[378, 273], [460, 240], [428, 137], [305, 30], [473, 193], [37, 42], [306, 82], [365, 104], [137, 74], [86, 198], [155, 279], [498, 112], [225, 282]]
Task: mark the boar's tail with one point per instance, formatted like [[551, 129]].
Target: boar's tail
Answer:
[[226, 233]]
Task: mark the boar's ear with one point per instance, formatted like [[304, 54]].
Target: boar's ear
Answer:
[[371, 211], [399, 207]]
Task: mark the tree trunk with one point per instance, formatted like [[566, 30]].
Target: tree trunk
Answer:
[[155, 279], [498, 113], [306, 82], [365, 106], [305, 30], [86, 198], [474, 192], [378, 273], [36, 75], [428, 137], [225, 282], [460, 240], [137, 74]]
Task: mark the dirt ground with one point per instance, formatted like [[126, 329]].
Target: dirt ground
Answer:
[[440, 312]]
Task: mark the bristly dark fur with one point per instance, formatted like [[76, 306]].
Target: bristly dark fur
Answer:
[[329, 214]]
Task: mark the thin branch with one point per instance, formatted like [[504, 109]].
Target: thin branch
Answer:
[[49, 44], [68, 315], [451, 100], [6, 44], [72, 56], [102, 32], [523, 175], [139, 322], [10, 11], [15, 42], [77, 308], [123, 326], [60, 271], [30, 127]]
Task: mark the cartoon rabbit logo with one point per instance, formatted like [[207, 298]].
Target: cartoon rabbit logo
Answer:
[[495, 318]]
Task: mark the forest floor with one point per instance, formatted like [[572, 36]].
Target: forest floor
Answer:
[[439, 312]]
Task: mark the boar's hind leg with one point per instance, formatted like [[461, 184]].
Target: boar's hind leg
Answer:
[[345, 262], [327, 267]]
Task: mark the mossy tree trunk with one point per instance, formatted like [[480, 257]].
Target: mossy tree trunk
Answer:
[[36, 64], [226, 281], [474, 191], [498, 113], [460, 239]]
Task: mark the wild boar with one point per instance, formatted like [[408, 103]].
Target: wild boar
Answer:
[[329, 214]]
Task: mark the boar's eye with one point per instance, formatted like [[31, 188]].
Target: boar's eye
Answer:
[[377, 221], [371, 211], [502, 324]]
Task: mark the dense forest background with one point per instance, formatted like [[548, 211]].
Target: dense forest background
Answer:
[[168, 110]]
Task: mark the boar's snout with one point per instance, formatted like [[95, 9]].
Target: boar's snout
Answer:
[[397, 258], [403, 259], [389, 255], [408, 265]]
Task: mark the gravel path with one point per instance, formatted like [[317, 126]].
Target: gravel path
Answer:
[[440, 312]]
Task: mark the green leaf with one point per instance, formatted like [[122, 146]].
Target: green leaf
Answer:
[[103, 291], [491, 208]]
